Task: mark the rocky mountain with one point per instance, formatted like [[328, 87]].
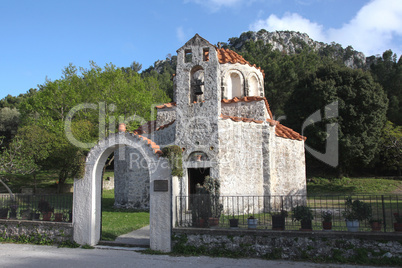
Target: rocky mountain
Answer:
[[291, 42]]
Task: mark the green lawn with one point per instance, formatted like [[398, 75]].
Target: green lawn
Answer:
[[116, 222], [345, 186]]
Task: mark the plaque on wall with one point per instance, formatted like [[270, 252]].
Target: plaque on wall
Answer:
[[161, 186]]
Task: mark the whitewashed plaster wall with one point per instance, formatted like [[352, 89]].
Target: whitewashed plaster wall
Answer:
[[240, 158], [289, 167]]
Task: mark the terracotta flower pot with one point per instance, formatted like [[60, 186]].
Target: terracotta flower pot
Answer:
[[213, 221], [58, 217], [46, 216], [375, 226], [398, 226], [326, 225]]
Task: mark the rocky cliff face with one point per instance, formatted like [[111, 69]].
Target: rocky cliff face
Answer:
[[290, 42]]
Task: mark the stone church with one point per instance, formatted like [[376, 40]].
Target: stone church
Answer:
[[222, 121]]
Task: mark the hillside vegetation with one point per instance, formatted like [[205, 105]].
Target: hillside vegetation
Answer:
[[302, 76]]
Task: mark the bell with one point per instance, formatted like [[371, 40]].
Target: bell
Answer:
[[197, 87]]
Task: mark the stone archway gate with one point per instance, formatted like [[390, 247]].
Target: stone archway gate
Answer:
[[87, 191]]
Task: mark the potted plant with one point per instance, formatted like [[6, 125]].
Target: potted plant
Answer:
[[212, 187], [326, 216], [278, 220], [234, 223], [13, 211], [305, 216], [46, 210], [398, 223], [35, 215], [3, 210], [200, 206], [375, 224], [58, 217], [355, 211], [252, 222]]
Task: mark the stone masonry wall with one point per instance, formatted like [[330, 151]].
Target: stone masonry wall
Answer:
[[255, 110], [54, 231], [164, 136], [165, 116], [291, 245], [131, 180]]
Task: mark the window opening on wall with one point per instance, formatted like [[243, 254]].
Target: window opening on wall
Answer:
[[206, 54], [234, 86], [253, 86], [197, 85], [188, 55]]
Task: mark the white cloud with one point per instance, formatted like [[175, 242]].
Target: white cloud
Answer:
[[180, 34], [371, 31], [291, 22]]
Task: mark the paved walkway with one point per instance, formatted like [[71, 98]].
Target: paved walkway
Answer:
[[27, 256], [137, 238]]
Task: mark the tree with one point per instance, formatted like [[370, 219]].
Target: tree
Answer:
[[362, 108], [112, 95], [391, 147], [387, 71], [36, 145], [9, 121]]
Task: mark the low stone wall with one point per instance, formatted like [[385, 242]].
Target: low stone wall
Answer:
[[49, 231], [292, 245]]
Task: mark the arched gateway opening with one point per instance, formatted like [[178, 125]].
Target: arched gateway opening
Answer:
[[87, 191]]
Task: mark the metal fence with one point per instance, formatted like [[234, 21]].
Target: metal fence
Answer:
[[49, 207], [191, 210]]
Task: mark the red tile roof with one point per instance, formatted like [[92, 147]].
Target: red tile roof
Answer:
[[151, 144], [150, 127], [280, 130], [285, 132], [229, 56], [166, 105], [238, 119], [249, 99], [147, 128]]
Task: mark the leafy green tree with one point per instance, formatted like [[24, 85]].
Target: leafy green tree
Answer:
[[362, 107], [387, 71], [36, 145], [391, 147], [109, 91], [9, 121]]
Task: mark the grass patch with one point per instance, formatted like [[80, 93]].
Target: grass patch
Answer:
[[116, 222], [343, 186]]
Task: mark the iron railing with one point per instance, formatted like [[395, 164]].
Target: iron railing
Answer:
[[49, 207], [191, 210]]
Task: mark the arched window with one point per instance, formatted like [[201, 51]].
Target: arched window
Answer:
[[253, 86], [197, 84], [234, 86]]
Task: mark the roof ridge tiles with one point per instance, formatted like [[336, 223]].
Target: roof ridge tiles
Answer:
[[166, 105], [230, 56]]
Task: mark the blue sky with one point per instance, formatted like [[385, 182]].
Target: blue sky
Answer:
[[39, 38]]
